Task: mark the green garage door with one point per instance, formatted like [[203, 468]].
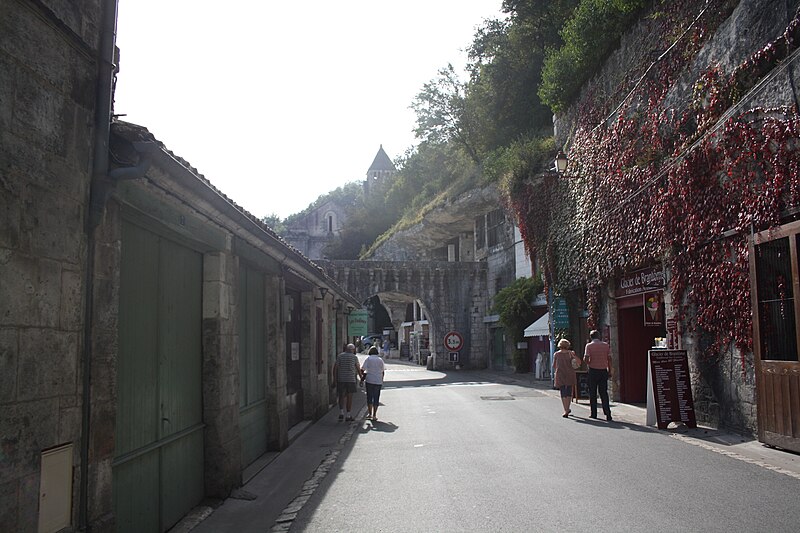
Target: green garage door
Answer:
[[158, 466], [252, 365]]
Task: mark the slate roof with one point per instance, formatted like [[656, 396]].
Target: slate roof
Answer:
[[381, 162]]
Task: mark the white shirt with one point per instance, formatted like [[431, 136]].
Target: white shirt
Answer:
[[373, 366]]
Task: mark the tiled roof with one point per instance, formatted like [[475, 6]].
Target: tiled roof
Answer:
[[136, 133]]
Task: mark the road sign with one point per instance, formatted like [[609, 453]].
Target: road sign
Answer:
[[453, 341]]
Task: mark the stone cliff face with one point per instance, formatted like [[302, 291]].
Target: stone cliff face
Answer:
[[442, 224]]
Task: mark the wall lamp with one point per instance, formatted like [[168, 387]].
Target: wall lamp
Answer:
[[322, 291], [561, 162]]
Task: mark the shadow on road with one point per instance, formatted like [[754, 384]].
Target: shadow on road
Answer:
[[612, 425], [378, 425]]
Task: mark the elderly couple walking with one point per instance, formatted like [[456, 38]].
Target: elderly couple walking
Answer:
[[346, 373], [598, 357]]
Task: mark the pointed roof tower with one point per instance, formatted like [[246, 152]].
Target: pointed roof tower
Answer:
[[381, 162]]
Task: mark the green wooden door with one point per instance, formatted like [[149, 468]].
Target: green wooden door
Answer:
[[252, 365], [158, 466]]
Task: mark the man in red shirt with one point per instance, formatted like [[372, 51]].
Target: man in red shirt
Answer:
[[598, 357]]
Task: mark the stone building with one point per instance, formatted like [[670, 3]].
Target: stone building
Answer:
[[150, 328], [665, 230], [470, 228], [315, 229]]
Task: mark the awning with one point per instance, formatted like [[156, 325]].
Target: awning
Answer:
[[541, 327]]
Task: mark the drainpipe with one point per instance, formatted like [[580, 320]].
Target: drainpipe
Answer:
[[106, 69]]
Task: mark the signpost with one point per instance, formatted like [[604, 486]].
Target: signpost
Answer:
[[669, 390], [560, 314], [453, 341]]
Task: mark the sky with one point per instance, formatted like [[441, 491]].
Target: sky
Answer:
[[278, 102]]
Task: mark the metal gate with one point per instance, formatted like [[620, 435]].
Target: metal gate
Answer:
[[158, 465], [252, 365], [775, 288]]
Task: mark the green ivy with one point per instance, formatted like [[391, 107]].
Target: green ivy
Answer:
[[589, 37], [513, 304]]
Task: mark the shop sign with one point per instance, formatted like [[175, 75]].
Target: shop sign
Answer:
[[653, 310], [641, 281], [357, 323], [560, 314]]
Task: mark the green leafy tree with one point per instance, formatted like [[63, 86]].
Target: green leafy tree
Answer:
[[513, 304], [589, 36], [505, 66], [442, 115], [275, 222]]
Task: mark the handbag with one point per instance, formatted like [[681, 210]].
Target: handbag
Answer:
[[576, 362]]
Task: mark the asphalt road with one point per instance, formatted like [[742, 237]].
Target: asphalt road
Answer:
[[454, 453]]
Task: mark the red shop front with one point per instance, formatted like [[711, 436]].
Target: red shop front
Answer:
[[640, 318]]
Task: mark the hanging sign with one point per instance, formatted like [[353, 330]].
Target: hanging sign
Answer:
[[653, 308], [560, 313], [357, 323]]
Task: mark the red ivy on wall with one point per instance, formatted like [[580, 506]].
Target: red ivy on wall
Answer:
[[681, 186]]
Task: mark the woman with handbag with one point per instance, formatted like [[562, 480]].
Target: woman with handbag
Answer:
[[564, 364]]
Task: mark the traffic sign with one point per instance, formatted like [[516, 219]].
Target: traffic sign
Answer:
[[453, 341]]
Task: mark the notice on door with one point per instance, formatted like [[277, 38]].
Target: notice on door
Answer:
[[669, 389]]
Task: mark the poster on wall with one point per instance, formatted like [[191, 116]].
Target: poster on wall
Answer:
[[653, 310]]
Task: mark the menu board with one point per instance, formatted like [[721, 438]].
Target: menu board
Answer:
[[583, 385], [669, 394]]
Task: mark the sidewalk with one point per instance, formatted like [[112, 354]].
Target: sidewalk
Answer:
[[285, 479], [720, 441]]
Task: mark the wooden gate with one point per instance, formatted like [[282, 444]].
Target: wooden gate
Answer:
[[775, 288], [252, 365], [158, 465]]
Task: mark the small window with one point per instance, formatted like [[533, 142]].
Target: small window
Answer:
[[777, 322]]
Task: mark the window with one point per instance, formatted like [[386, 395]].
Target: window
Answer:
[[776, 273], [495, 227], [480, 232]]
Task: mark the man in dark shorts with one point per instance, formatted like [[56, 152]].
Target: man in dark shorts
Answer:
[[346, 372]]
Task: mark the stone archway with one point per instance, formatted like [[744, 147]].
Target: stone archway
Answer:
[[454, 294]]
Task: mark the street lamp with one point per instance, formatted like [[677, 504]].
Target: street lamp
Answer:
[[561, 162], [322, 292]]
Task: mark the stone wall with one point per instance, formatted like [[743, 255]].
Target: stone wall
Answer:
[[724, 396], [47, 99]]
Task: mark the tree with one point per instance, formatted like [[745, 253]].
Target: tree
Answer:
[[274, 222], [441, 113]]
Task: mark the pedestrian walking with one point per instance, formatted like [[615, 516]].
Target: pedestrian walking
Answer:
[[373, 370], [386, 346], [598, 357], [346, 372], [564, 364]]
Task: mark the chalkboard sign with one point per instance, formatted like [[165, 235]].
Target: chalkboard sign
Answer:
[[669, 389], [583, 385]]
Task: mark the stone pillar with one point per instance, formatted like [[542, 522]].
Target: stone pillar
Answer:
[[105, 349], [223, 447], [277, 410]]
